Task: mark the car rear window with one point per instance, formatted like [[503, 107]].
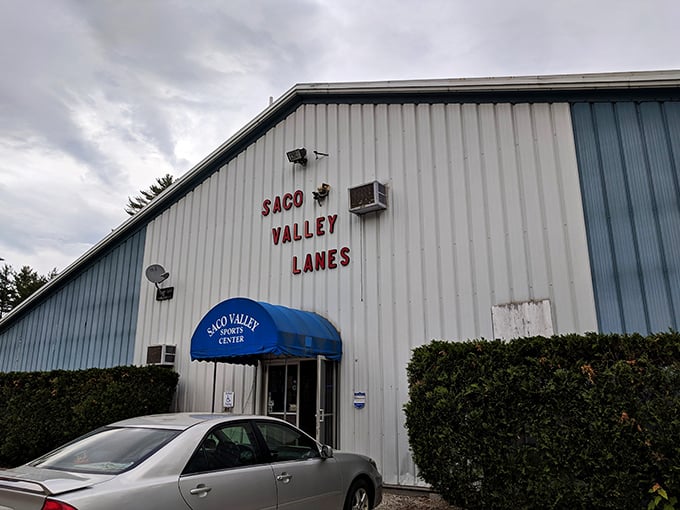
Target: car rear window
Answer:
[[107, 451]]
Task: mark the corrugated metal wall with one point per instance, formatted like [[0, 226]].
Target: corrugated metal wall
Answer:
[[629, 159], [89, 322], [484, 208]]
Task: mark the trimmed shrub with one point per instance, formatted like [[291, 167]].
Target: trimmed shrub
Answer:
[[576, 422], [42, 410]]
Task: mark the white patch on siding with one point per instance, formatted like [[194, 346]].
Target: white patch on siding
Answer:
[[516, 320]]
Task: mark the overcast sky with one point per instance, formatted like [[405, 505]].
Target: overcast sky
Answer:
[[100, 97]]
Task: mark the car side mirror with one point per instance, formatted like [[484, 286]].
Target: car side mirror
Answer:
[[326, 452]]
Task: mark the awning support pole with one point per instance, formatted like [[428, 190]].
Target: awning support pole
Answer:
[[214, 383], [255, 395]]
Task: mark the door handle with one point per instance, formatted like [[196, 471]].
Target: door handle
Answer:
[[201, 491], [284, 477]]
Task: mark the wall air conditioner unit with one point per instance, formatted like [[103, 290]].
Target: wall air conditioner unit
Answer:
[[161, 355], [368, 197]]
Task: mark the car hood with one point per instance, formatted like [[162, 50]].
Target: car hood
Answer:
[[48, 481]]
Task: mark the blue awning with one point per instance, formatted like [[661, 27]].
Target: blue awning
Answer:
[[240, 330]]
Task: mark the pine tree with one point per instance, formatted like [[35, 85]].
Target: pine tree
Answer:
[[15, 286], [135, 204], [27, 281], [7, 289]]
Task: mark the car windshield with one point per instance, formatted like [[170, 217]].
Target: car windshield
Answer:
[[107, 450]]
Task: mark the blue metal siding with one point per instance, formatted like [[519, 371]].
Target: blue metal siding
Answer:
[[629, 160], [89, 322]]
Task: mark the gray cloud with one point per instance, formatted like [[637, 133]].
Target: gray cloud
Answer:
[[98, 98]]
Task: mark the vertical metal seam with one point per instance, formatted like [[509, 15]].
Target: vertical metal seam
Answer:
[[675, 177], [608, 215], [540, 185], [396, 412], [522, 203], [655, 206], [504, 204], [380, 315], [399, 473], [563, 215], [437, 217], [362, 228], [582, 170], [631, 218], [468, 220], [484, 171], [419, 191], [452, 223]]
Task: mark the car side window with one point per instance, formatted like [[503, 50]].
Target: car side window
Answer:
[[286, 443], [227, 446]]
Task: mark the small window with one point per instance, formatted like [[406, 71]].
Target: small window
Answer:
[[225, 447], [286, 443]]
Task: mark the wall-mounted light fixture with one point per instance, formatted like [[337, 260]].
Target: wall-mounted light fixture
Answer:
[[156, 274], [321, 193], [298, 156]]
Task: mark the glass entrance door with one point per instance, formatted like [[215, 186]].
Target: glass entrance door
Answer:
[[282, 392], [325, 401], [302, 392]]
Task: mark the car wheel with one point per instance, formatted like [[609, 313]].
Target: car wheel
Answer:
[[358, 497]]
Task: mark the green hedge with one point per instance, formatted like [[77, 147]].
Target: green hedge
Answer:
[[573, 422], [41, 410]]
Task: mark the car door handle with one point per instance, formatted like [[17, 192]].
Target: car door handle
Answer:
[[201, 491], [284, 477]]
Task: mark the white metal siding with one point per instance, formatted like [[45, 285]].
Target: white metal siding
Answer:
[[484, 209]]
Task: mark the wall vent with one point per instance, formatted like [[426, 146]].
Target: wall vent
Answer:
[[161, 354], [368, 197]]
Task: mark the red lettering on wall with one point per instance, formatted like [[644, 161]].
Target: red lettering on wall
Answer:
[[305, 229], [309, 266], [298, 198], [331, 259], [322, 260], [286, 235], [344, 256], [296, 236], [331, 223], [285, 203], [276, 235], [277, 205], [299, 230]]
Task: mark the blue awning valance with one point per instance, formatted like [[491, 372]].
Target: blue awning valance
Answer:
[[240, 330]]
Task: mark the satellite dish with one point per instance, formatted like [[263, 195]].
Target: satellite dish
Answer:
[[155, 273]]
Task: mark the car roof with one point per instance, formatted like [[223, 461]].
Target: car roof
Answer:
[[178, 421]]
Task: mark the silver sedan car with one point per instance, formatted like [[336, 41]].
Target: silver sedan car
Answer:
[[197, 462]]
